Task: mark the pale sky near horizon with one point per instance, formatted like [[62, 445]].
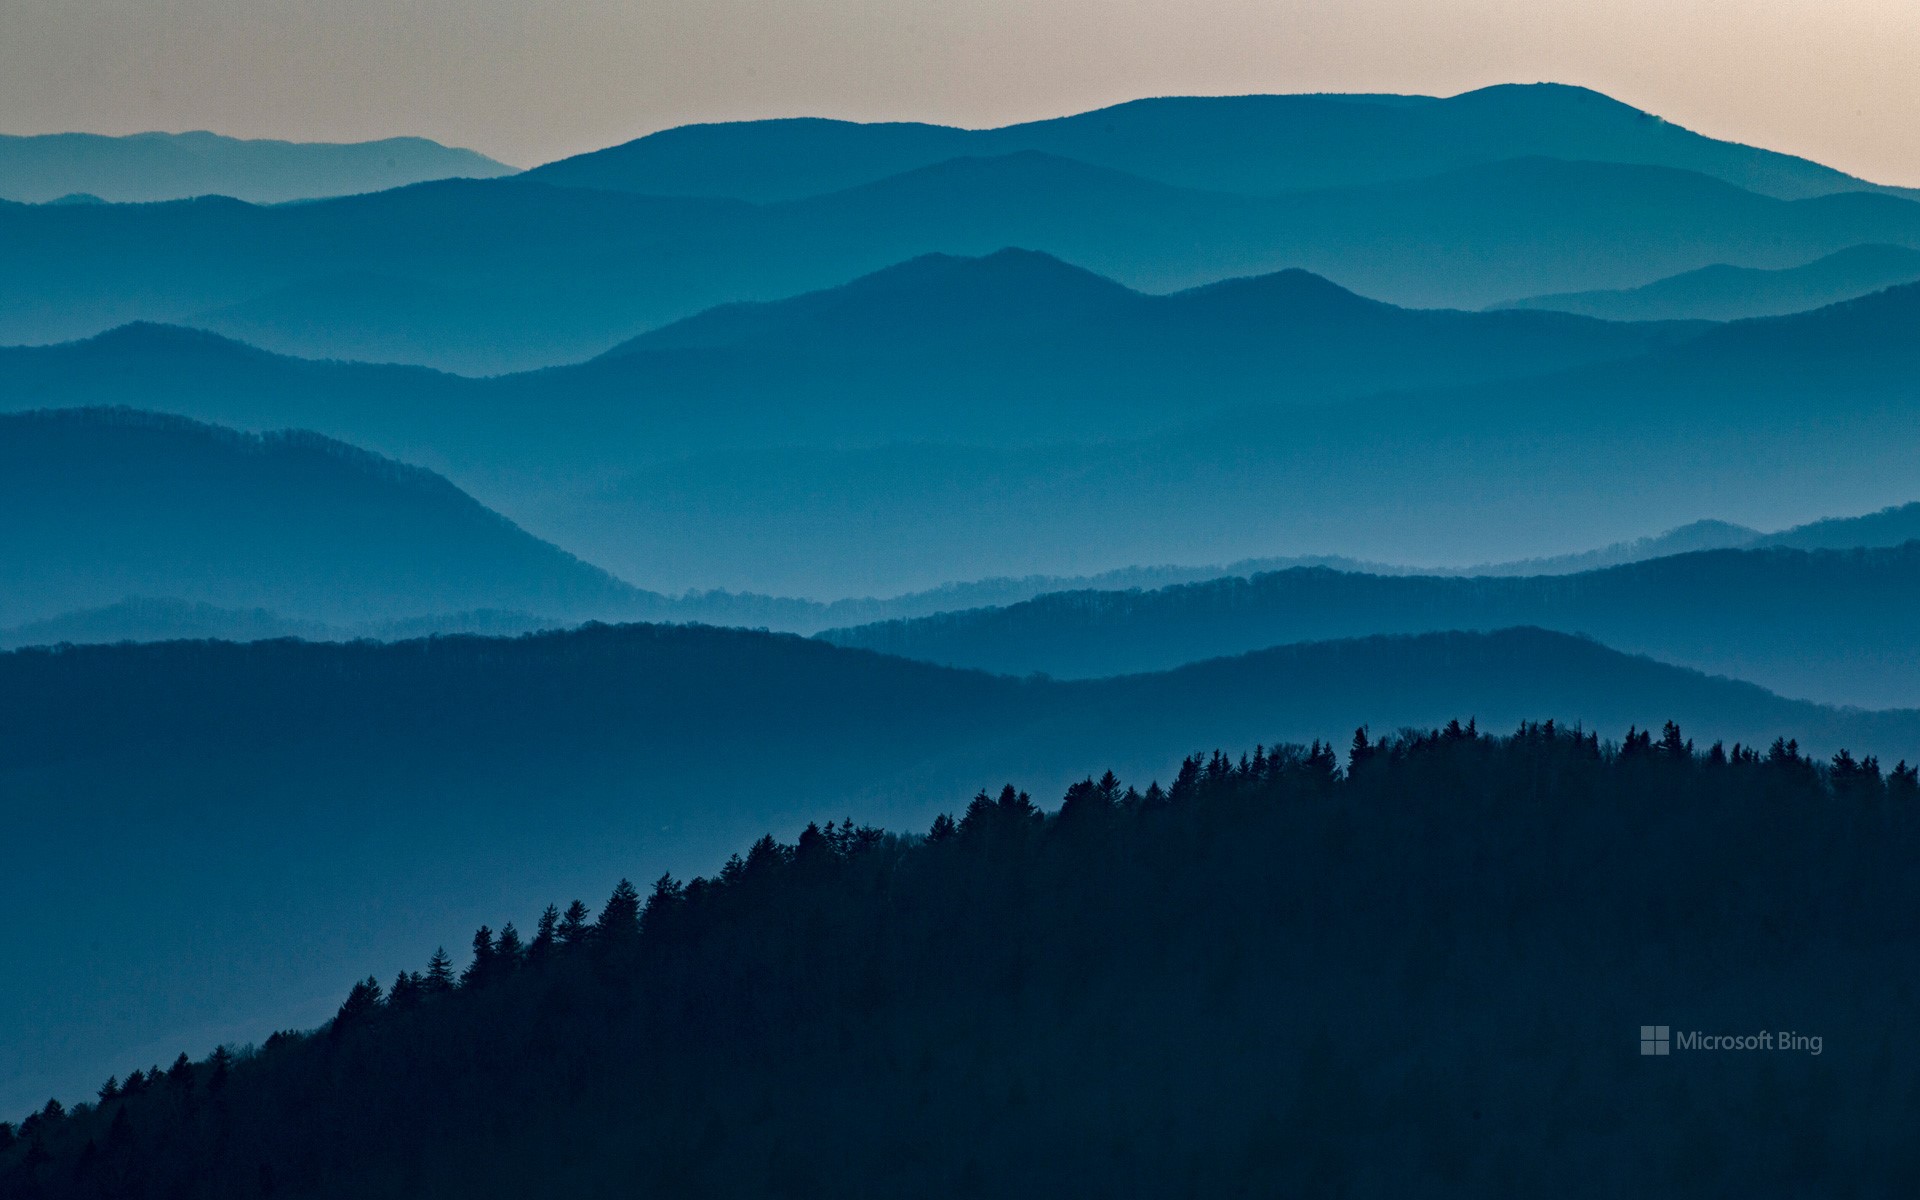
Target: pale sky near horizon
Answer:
[[528, 81]]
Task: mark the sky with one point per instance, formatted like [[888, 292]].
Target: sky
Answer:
[[528, 81]]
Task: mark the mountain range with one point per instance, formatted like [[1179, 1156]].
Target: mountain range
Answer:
[[361, 792], [1256, 145], [1831, 625], [148, 167], [498, 275], [1724, 293], [749, 450], [1012, 348]]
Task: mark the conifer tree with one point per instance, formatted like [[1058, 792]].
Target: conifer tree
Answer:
[[575, 926], [438, 980], [619, 921]]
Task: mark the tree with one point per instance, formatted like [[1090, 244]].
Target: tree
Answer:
[[480, 971], [666, 897], [508, 950], [575, 927], [180, 1074], [110, 1090], [359, 1007], [545, 936], [405, 992], [438, 980], [619, 921], [221, 1063]]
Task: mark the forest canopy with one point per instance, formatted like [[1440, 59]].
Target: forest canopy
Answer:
[[1420, 970]]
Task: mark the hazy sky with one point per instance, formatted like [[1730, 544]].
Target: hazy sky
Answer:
[[531, 80]]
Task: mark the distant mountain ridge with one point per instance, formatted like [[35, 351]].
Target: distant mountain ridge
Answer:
[[1247, 144], [1768, 421], [1836, 626], [1724, 293], [148, 167], [104, 503], [492, 276]]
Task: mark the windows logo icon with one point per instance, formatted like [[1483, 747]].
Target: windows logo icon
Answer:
[[1653, 1039]]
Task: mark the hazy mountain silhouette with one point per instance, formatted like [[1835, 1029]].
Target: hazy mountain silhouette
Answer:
[[1008, 349], [145, 619], [1766, 423], [547, 275], [152, 619], [1834, 626], [359, 793], [175, 166], [106, 503], [1888, 527], [1723, 293], [1250, 144]]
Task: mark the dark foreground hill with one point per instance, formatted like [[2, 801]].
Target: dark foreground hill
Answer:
[[1838, 626], [105, 503], [1464, 965], [360, 793]]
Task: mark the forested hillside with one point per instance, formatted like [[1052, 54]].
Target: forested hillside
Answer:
[[1425, 974], [362, 792]]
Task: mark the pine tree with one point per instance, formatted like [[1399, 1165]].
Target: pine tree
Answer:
[[545, 936], [110, 1090], [360, 1006], [508, 952], [438, 980], [619, 921], [575, 927], [180, 1074], [222, 1063], [480, 971]]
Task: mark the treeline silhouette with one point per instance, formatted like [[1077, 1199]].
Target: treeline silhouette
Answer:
[[1419, 973]]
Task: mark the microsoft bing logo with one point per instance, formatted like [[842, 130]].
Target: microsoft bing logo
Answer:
[[1653, 1039]]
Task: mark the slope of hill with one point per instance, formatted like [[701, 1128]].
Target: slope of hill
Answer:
[[547, 275], [106, 503], [1012, 348], [1888, 527], [1248, 144], [358, 793], [1723, 293], [1766, 423], [1837, 626], [174, 166], [1145, 993]]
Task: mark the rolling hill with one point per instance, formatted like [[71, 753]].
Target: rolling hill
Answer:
[[1010, 349], [1767, 424], [106, 503], [1256, 145], [1724, 293], [641, 462], [1835, 626], [147, 167], [358, 793], [544, 275]]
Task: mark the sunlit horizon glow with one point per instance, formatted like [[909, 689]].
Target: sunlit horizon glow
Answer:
[[1827, 79]]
